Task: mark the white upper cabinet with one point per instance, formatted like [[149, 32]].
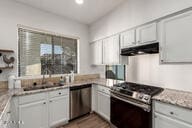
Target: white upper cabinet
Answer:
[[176, 39], [127, 38], [97, 52], [111, 50], [146, 33]]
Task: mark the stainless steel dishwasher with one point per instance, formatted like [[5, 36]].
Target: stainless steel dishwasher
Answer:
[[80, 100]]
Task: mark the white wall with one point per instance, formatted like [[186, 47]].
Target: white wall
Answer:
[[146, 68], [12, 13]]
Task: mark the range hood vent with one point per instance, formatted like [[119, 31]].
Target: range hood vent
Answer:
[[143, 49]]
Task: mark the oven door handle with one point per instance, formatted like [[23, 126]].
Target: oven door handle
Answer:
[[140, 105]]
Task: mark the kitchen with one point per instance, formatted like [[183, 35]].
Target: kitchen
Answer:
[[94, 64]]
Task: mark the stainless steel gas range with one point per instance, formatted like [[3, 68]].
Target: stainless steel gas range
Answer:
[[131, 105]]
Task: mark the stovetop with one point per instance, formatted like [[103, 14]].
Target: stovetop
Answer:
[[133, 87], [137, 91]]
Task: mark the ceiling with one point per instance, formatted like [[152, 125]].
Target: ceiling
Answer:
[[87, 13]]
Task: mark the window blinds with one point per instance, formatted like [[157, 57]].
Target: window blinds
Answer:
[[38, 51]]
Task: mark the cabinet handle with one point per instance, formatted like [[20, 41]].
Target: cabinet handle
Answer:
[[9, 112]]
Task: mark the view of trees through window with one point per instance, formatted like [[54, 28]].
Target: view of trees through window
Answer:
[[41, 53]]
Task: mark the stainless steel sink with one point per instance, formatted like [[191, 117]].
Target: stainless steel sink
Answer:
[[37, 87]]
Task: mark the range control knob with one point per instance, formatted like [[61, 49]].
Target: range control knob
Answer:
[[146, 98], [140, 96]]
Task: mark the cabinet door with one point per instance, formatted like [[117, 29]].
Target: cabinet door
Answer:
[[58, 110], [162, 121], [146, 33], [104, 105], [111, 51], [175, 35], [97, 52], [33, 115], [127, 39], [94, 98]]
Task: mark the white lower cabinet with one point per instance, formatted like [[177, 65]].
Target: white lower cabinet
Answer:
[[33, 115], [44, 110], [170, 116], [103, 102], [162, 121], [58, 110], [94, 98]]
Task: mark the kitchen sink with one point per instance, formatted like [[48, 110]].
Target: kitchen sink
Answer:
[[37, 87]]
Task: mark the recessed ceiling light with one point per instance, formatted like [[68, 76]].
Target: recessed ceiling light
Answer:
[[79, 1]]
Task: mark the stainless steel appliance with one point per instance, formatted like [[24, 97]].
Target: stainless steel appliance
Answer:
[[131, 105], [141, 49], [80, 100]]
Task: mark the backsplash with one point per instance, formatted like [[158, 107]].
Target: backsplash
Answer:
[[38, 81], [146, 69], [3, 84]]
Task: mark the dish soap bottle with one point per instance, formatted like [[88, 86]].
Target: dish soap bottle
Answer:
[[61, 81], [72, 76]]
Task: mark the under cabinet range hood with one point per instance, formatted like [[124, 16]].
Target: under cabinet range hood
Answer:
[[141, 49]]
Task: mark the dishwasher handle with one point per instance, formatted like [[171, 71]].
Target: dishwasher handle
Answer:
[[74, 88]]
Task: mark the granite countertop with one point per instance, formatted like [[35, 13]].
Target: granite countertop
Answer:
[[6, 95], [175, 97], [102, 82]]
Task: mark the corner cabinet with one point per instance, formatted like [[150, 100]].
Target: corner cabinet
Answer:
[[170, 116], [146, 34], [111, 50], [97, 52], [175, 38]]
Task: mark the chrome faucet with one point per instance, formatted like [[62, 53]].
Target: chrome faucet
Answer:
[[44, 73]]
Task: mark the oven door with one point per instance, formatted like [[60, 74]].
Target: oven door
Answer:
[[127, 113]]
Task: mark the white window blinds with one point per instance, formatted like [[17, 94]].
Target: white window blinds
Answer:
[[38, 51]]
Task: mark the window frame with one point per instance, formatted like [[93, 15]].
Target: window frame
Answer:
[[44, 32]]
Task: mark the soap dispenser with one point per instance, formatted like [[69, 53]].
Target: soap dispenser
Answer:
[[72, 76]]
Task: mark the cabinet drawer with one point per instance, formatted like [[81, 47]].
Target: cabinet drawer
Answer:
[[174, 112], [57, 93], [103, 89], [32, 98]]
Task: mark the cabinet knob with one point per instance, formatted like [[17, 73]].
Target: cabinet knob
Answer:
[[44, 102], [171, 113], [50, 101], [59, 93], [9, 112]]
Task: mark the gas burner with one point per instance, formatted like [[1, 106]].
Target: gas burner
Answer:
[[137, 91]]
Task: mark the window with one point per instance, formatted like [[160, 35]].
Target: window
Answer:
[[41, 53], [115, 72]]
